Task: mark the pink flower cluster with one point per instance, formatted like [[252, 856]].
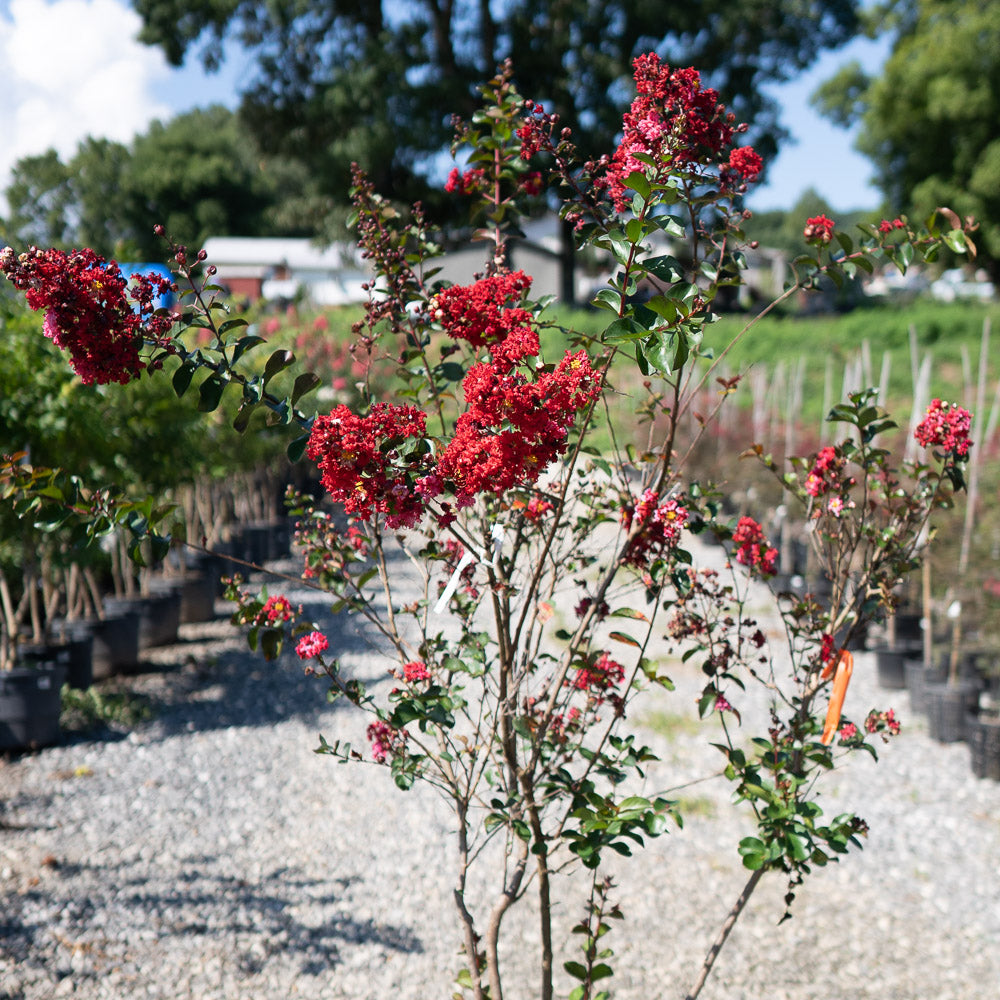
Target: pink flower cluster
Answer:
[[946, 426], [656, 526], [882, 722], [752, 549], [385, 741], [88, 311], [676, 122], [826, 478], [311, 645]]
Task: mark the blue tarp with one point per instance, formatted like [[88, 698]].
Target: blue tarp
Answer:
[[165, 301]]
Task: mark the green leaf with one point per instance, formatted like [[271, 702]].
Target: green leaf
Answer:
[[640, 360], [210, 394], [305, 383], [243, 415], [182, 378], [576, 969], [242, 345], [622, 331], [956, 240], [608, 298], [277, 362], [297, 448], [665, 267], [600, 971], [638, 182], [270, 643], [629, 613], [235, 324]]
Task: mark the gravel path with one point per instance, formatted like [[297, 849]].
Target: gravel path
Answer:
[[209, 853]]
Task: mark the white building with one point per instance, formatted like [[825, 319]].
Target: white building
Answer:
[[280, 268]]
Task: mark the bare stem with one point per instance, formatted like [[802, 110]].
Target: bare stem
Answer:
[[724, 931]]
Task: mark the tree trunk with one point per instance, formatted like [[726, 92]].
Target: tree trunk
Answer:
[[567, 264]]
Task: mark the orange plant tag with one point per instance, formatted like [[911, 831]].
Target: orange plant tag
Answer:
[[845, 667]]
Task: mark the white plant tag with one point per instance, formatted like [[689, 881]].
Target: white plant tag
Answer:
[[445, 597]]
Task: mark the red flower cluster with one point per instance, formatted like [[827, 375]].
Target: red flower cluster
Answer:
[[600, 676], [465, 183], [746, 162], [753, 551], [311, 645], [482, 314], [826, 648], [385, 741], [945, 425], [825, 473], [514, 427], [362, 465], [534, 509], [659, 527], [88, 311], [602, 609], [276, 609], [415, 671], [677, 122], [885, 226], [819, 229]]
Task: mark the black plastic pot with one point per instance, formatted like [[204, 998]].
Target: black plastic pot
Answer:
[[982, 733], [116, 643], [890, 667], [74, 653], [917, 679], [909, 627], [947, 706], [159, 615], [30, 703]]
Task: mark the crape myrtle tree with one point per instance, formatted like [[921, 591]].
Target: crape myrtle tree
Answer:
[[545, 568], [928, 120], [374, 82]]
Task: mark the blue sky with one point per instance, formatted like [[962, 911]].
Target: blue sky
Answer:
[[72, 68]]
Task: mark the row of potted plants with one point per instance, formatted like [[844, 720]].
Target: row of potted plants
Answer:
[[83, 631], [956, 687]]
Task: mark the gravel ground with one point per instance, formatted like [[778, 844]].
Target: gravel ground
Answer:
[[208, 853]]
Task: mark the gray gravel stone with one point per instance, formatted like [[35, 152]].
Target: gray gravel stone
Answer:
[[210, 854]]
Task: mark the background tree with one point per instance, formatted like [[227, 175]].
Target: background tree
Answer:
[[39, 198], [199, 174], [929, 119], [336, 81]]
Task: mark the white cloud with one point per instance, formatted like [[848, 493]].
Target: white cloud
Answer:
[[73, 68]]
